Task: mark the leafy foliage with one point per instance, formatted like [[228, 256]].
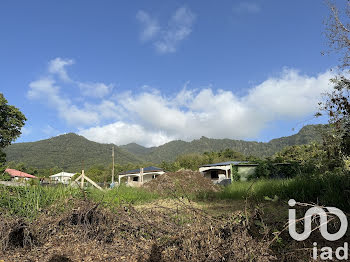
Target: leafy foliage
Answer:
[[4, 176], [11, 122], [337, 103]]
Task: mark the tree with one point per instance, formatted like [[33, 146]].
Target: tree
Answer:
[[337, 103], [11, 122]]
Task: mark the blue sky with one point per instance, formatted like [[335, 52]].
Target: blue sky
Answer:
[[153, 71]]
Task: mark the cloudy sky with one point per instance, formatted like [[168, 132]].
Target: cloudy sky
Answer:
[[153, 71]]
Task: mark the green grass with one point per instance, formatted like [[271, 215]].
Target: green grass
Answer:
[[28, 201], [328, 190], [122, 195]]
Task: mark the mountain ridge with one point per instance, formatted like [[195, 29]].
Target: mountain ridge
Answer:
[[73, 152], [169, 151], [69, 151]]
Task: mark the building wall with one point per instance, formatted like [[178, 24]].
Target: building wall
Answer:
[[220, 173], [244, 173], [64, 179], [146, 178]]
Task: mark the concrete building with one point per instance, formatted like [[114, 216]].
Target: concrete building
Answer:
[[138, 177], [62, 177], [219, 172]]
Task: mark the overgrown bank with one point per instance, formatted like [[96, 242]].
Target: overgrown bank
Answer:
[[330, 189]]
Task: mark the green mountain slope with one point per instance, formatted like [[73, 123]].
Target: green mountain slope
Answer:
[[171, 150], [136, 149], [72, 152], [69, 151]]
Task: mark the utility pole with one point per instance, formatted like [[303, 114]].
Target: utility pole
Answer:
[[113, 164]]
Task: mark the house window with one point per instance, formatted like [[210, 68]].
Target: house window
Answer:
[[214, 174], [135, 178]]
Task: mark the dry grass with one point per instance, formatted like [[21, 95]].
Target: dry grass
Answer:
[[155, 233], [185, 183]]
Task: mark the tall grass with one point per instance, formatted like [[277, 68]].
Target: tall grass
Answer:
[[27, 201], [122, 195], [328, 190]]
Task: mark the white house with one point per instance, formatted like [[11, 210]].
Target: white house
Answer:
[[139, 176], [228, 170], [62, 177]]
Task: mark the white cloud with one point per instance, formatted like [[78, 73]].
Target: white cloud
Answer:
[[45, 90], [49, 91], [150, 27], [151, 118], [289, 95], [97, 90], [247, 7], [122, 133], [167, 38], [180, 27], [190, 114], [57, 66]]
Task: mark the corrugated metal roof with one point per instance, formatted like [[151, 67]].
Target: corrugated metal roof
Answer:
[[148, 169], [17, 173], [229, 163]]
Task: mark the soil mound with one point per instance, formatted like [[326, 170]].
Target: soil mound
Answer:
[[181, 182]]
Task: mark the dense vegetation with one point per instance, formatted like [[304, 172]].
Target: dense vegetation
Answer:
[[71, 152], [301, 159], [329, 189], [11, 122], [171, 150], [30, 200]]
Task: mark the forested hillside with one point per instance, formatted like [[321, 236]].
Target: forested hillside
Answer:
[[70, 152], [169, 151]]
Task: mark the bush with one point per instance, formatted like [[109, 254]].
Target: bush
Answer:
[[5, 177], [276, 169]]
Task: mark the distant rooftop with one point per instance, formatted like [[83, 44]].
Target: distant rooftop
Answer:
[[148, 169], [63, 174], [235, 163], [17, 173]]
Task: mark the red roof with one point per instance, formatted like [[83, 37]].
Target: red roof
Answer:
[[16, 173]]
